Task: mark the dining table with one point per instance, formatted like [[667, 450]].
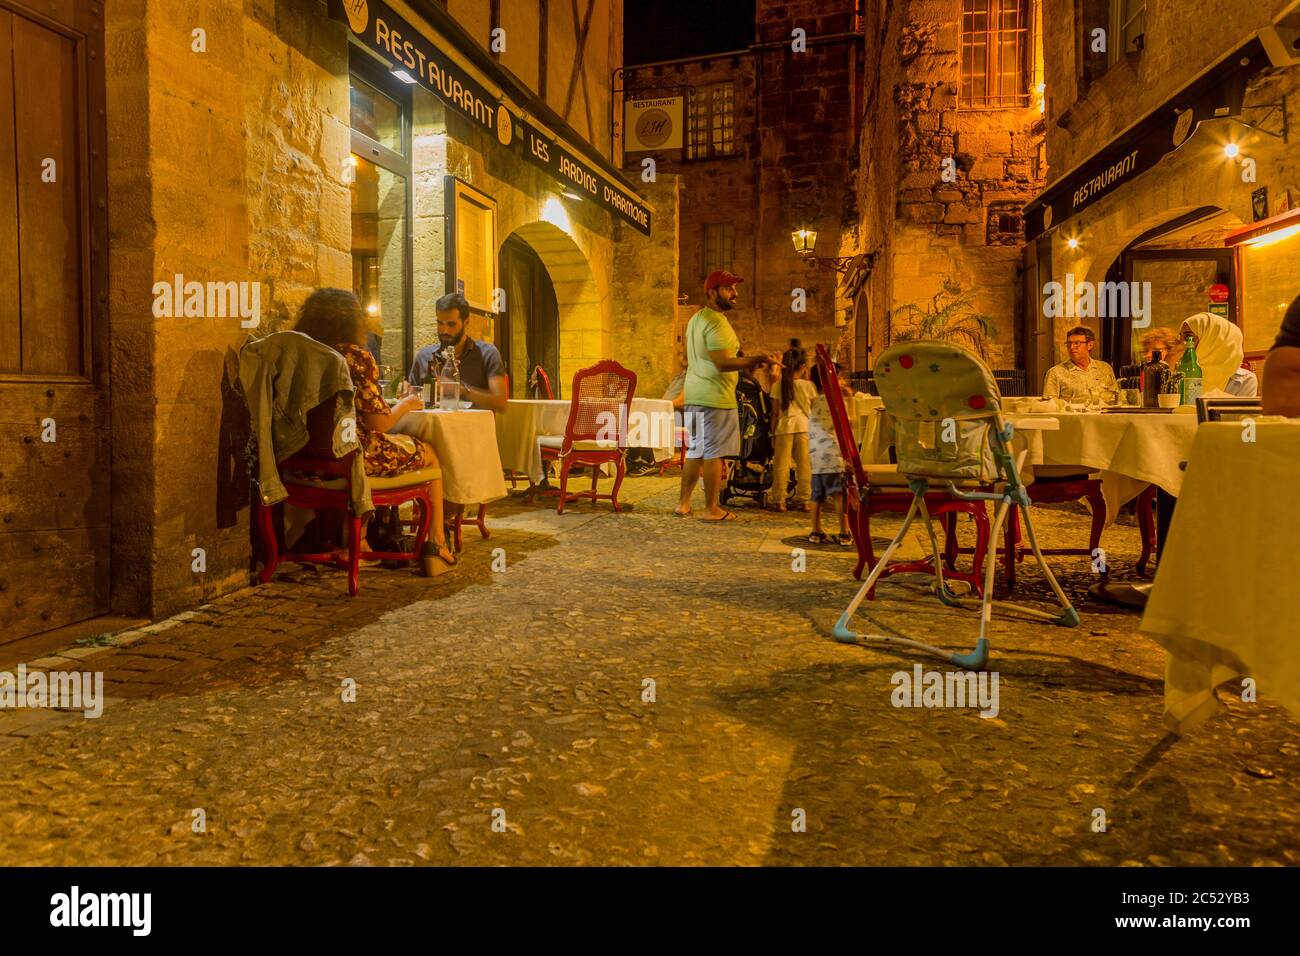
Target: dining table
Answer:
[[649, 425], [465, 441], [1129, 448], [1224, 600]]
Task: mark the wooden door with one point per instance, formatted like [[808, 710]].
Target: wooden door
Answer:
[[54, 411]]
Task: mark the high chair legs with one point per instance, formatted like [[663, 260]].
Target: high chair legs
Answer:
[[978, 658]]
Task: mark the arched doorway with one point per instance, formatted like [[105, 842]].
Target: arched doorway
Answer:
[[552, 314], [1174, 263], [528, 330]]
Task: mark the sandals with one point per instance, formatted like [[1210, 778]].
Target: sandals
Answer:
[[843, 540], [818, 537], [726, 516], [436, 559]]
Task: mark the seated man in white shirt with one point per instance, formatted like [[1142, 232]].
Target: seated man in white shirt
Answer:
[[1080, 374]]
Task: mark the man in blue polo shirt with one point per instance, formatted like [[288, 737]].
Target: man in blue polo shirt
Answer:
[[482, 373]]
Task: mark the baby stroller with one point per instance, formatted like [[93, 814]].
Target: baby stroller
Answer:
[[750, 475]]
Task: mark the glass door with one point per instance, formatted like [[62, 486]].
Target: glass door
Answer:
[[381, 216]]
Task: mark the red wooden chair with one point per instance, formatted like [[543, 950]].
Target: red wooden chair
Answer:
[[1056, 488], [681, 439], [334, 493], [880, 489], [539, 383], [601, 400], [1146, 515]]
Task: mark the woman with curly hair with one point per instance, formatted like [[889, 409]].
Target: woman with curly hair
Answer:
[[333, 317]]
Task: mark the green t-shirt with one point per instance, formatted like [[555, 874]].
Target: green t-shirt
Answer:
[[709, 331]]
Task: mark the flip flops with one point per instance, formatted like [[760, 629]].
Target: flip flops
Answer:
[[726, 516], [681, 514]]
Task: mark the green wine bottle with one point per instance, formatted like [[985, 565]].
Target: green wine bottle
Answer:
[[1193, 382]]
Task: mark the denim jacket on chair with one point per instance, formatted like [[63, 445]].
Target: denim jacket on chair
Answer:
[[285, 375]]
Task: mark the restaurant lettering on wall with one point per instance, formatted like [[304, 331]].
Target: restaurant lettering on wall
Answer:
[[403, 46]]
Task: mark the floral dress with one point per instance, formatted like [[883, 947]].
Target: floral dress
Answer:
[[385, 455]]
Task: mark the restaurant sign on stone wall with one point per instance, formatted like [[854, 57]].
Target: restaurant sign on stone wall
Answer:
[[408, 50]]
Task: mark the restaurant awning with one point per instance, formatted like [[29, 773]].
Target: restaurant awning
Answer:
[[1217, 93], [515, 118]]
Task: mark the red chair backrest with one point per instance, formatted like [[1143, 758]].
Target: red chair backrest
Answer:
[[840, 416], [318, 454], [544, 381], [601, 400]]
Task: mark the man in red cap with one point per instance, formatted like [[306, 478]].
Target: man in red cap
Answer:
[[712, 368]]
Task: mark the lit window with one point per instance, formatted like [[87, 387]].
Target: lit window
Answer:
[[995, 53], [711, 130]]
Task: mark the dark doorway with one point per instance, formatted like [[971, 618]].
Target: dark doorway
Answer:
[[529, 330]]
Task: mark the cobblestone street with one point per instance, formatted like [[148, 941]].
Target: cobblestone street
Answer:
[[523, 692]]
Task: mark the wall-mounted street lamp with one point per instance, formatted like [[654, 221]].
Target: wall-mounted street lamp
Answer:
[[805, 241]]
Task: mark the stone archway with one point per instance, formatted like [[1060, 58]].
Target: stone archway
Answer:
[[583, 337]]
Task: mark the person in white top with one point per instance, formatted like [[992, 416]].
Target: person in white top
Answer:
[[792, 398], [1219, 352]]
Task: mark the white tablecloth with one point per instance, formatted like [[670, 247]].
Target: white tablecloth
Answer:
[[1131, 451], [650, 425], [1226, 592], [467, 450]]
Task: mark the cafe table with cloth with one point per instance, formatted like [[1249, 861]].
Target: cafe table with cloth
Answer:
[[466, 443], [1226, 592], [1130, 449], [650, 425]]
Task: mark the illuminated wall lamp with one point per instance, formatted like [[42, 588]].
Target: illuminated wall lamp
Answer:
[[805, 242]]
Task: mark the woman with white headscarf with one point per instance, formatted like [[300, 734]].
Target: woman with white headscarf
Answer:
[[1219, 353]]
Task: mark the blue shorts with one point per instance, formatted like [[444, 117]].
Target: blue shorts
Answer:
[[713, 432], [823, 486]]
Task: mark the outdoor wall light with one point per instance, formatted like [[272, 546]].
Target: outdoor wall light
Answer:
[[404, 76], [1072, 242], [570, 194], [805, 240], [372, 309], [1232, 150]]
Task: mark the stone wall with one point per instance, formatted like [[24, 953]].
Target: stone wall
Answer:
[[963, 227], [226, 165], [793, 167], [1182, 38], [1083, 118], [645, 291]]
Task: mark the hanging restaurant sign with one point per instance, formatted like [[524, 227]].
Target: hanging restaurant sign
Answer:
[[406, 48], [1218, 93]]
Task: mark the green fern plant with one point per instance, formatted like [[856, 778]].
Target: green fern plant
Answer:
[[948, 317]]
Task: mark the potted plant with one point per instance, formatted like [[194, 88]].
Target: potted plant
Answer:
[[1171, 390], [948, 317]]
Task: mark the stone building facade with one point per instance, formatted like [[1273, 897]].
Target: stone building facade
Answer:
[[949, 156], [772, 150], [228, 149], [1173, 161]]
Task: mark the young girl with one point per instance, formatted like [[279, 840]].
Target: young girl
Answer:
[[792, 398], [827, 466]]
